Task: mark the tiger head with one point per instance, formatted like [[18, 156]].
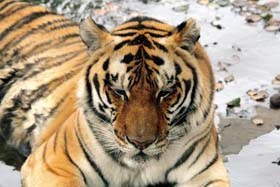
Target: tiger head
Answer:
[[141, 86]]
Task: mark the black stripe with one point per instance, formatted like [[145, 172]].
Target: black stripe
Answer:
[[91, 161], [8, 81], [97, 87], [201, 152], [48, 166], [192, 107], [6, 4], [142, 27], [70, 159], [141, 39], [31, 128], [141, 19], [158, 60], [30, 33], [127, 58], [24, 100], [181, 26], [181, 160], [41, 47], [212, 182], [106, 64], [46, 64], [160, 46], [180, 117], [9, 13], [120, 45], [65, 25], [155, 35], [185, 156], [164, 184], [213, 161], [124, 34], [23, 21], [89, 98], [187, 90], [55, 139]]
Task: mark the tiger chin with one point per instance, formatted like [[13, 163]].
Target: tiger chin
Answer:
[[129, 108]]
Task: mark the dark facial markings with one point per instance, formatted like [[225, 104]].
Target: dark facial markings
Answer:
[[127, 58], [106, 64]]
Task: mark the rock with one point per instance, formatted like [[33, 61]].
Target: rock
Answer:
[[258, 121], [181, 8], [271, 4], [276, 82], [253, 18], [229, 78], [216, 24], [275, 101], [272, 28], [234, 103], [203, 2], [219, 86], [239, 3], [223, 3], [263, 93], [223, 66], [258, 95], [277, 77], [252, 92]]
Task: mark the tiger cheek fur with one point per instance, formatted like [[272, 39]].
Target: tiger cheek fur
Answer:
[[128, 108]]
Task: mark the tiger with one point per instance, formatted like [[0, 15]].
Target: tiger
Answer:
[[130, 107]]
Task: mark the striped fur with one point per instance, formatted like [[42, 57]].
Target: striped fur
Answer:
[[135, 109]]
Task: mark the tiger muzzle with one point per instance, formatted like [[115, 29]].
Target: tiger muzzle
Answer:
[[141, 123]]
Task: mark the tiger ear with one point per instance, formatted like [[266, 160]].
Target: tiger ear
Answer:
[[92, 34], [187, 34]]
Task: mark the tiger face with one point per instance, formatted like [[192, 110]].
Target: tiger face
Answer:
[[138, 89]]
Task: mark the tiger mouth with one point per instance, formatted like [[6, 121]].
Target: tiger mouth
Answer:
[[141, 157]]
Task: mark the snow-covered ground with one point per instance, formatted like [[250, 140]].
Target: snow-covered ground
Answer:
[[255, 66]]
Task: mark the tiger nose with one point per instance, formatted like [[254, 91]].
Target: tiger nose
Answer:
[[140, 144]]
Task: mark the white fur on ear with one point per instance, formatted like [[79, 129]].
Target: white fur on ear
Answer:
[[92, 34], [188, 34]]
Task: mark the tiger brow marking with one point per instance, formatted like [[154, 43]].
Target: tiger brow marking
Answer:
[[127, 58], [121, 44], [106, 64], [142, 19], [160, 46]]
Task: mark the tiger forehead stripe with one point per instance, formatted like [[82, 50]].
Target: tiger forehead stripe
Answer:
[[152, 26]]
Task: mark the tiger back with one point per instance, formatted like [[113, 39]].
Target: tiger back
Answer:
[[128, 108], [36, 47]]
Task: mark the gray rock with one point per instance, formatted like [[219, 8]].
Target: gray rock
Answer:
[[275, 101]]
